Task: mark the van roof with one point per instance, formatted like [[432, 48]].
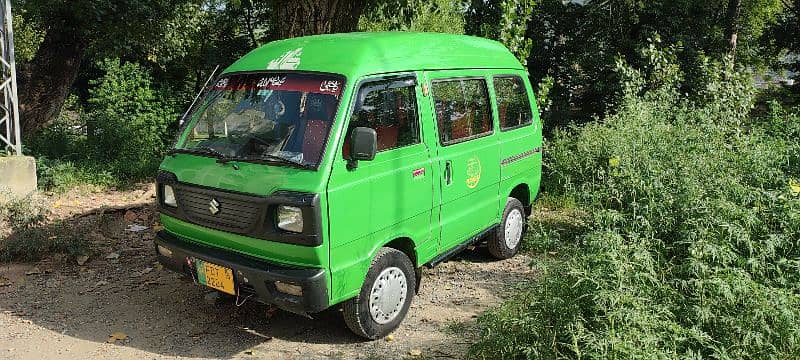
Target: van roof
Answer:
[[359, 54]]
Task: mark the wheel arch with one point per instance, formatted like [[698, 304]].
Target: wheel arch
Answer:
[[522, 193], [405, 245]]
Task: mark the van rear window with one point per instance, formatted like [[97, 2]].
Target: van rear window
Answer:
[[462, 109], [513, 106]]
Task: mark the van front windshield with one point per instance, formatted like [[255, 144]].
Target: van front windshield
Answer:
[[272, 118]]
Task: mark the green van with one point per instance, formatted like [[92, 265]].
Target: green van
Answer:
[[330, 169]]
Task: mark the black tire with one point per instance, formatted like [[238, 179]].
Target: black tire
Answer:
[[356, 311], [498, 246]]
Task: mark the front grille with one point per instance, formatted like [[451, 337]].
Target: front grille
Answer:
[[229, 211], [245, 214]]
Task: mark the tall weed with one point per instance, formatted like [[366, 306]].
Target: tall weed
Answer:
[[692, 248]]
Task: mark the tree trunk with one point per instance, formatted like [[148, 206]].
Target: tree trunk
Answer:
[[247, 10], [45, 82], [311, 17], [732, 26]]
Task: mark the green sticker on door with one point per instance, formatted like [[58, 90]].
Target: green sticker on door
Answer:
[[473, 172]]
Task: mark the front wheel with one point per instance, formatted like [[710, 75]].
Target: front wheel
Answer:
[[385, 296], [504, 243]]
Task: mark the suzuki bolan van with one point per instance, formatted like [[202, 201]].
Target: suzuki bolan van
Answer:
[[329, 170]]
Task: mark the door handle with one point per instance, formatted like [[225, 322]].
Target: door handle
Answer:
[[448, 172]]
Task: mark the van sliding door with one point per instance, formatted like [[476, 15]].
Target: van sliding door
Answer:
[[468, 154]]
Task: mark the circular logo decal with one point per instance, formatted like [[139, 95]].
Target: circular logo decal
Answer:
[[473, 172]]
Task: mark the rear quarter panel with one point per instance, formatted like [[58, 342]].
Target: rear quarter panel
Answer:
[[520, 148]]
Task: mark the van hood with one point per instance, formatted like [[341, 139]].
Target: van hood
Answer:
[[250, 178]]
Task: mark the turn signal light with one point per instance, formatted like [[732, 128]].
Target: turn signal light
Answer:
[[163, 251]]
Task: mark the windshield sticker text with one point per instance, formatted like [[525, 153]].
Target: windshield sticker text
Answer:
[[221, 83], [331, 86], [273, 81]]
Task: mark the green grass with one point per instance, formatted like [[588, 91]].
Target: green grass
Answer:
[[63, 175], [459, 328]]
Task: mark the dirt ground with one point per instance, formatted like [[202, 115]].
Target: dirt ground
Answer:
[[120, 304]]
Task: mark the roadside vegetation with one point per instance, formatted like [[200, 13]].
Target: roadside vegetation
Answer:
[[692, 221], [28, 233]]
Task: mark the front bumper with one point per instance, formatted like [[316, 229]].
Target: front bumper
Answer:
[[251, 275]]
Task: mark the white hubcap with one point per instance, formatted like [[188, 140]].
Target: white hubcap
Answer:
[[514, 224], [388, 295]]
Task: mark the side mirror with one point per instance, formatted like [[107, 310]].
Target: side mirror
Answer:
[[363, 145]]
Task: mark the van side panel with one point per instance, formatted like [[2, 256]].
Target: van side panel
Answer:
[[381, 200], [520, 148], [351, 261]]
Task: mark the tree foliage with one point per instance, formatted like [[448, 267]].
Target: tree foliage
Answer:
[[128, 122], [443, 16], [578, 43], [178, 36], [787, 34], [571, 48], [73, 29], [511, 16]]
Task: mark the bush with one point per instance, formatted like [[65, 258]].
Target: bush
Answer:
[[65, 138], [62, 175], [691, 249], [119, 137], [24, 213], [26, 235], [38, 242], [128, 126]]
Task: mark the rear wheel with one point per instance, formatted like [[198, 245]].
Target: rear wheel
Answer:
[[505, 241], [385, 296]]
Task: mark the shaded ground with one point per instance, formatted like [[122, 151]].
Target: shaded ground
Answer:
[[57, 308]]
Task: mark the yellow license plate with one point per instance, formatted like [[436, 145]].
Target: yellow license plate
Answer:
[[215, 276]]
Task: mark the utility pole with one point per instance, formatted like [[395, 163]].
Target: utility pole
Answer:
[[9, 106], [17, 172]]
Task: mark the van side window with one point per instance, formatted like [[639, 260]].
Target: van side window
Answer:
[[513, 106], [389, 107], [462, 109]]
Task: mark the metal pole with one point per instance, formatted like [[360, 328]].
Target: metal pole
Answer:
[[11, 138], [13, 70], [5, 117]]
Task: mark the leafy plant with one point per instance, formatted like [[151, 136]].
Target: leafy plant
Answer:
[[441, 16], [23, 213], [62, 175], [690, 247], [129, 123]]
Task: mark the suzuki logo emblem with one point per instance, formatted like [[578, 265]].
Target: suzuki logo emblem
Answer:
[[213, 206]]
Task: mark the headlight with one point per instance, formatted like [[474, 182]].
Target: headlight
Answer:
[[169, 196], [290, 218]]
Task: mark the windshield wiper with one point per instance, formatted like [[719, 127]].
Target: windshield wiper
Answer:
[[202, 151], [272, 159], [222, 158]]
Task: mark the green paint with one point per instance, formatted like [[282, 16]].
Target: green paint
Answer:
[[403, 193]]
